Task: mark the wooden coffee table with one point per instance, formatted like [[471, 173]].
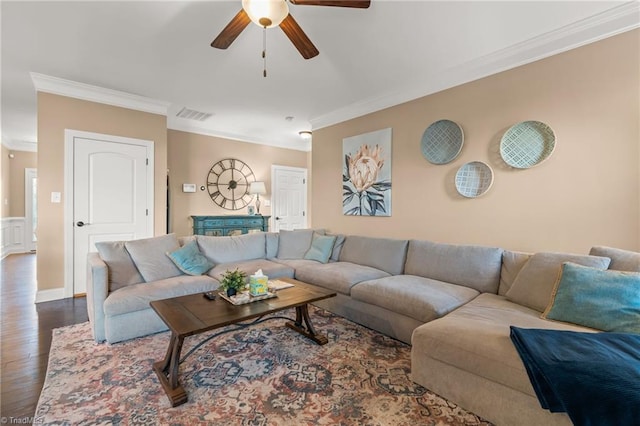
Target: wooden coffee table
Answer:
[[194, 314]]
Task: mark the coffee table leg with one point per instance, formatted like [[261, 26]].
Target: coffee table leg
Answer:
[[167, 372], [302, 313]]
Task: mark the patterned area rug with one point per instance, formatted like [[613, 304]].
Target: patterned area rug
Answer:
[[266, 374]]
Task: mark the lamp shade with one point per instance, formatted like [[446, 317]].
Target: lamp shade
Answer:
[[266, 13], [257, 188]]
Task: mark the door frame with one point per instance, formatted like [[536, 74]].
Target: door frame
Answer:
[[274, 168], [28, 209], [69, 137]]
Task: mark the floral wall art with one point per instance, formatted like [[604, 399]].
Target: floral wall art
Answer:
[[366, 174]]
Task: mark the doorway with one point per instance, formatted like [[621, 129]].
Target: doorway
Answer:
[[109, 186], [289, 198], [30, 209]]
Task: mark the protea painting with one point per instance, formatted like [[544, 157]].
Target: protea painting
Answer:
[[366, 176]]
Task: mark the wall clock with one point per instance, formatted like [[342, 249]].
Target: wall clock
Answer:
[[228, 183]]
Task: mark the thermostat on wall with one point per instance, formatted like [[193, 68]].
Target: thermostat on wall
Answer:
[[188, 187]]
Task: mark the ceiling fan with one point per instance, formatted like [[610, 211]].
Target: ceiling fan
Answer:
[[272, 13]]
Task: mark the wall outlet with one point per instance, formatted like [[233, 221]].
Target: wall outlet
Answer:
[[56, 197]]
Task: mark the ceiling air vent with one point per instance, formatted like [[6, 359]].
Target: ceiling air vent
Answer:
[[191, 114]]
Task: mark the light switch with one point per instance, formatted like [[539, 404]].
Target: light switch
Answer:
[[267, 203], [56, 197]]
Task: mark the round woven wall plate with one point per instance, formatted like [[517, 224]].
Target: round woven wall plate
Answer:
[[442, 142], [527, 144], [474, 179]]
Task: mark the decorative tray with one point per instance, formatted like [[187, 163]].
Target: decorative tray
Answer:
[[442, 142], [474, 179], [235, 301], [527, 144]]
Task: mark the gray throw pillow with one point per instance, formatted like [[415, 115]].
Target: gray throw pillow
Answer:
[[533, 287], [149, 255], [621, 260], [122, 270], [294, 244]]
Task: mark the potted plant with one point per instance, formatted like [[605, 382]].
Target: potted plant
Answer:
[[233, 282]]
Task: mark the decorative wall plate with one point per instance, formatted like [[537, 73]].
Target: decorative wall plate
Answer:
[[474, 179], [527, 144], [442, 142]]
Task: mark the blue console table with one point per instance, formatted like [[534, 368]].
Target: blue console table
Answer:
[[229, 225]]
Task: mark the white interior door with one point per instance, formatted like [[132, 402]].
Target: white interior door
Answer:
[[30, 209], [289, 198], [112, 196]]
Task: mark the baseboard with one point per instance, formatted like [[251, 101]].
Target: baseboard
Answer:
[[49, 295]]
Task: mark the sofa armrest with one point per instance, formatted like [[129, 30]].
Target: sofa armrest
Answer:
[[97, 291]]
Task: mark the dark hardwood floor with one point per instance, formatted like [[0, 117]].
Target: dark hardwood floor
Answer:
[[25, 337]]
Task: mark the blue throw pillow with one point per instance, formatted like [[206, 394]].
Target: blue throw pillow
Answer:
[[602, 299], [189, 259], [321, 248]]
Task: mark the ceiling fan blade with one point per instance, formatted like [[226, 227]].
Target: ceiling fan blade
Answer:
[[232, 30], [298, 37], [360, 4]]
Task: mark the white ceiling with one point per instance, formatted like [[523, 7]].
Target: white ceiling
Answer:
[[369, 59]]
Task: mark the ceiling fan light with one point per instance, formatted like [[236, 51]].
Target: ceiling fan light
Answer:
[[266, 13]]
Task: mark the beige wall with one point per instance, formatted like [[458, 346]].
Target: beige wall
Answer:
[[6, 182], [21, 160], [57, 113], [587, 193], [190, 156]]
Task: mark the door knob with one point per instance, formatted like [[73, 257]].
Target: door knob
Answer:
[[277, 218], [81, 223]]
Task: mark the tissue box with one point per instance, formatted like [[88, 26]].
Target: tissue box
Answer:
[[258, 285]]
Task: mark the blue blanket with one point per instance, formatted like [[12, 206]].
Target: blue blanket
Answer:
[[593, 377]]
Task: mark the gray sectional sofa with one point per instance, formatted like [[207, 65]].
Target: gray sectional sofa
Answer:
[[453, 303]]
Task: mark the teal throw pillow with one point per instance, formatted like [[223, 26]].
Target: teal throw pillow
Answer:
[[189, 259], [321, 248], [602, 299]]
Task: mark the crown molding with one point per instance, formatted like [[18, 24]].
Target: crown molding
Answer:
[[617, 20], [87, 92], [17, 145], [301, 145]]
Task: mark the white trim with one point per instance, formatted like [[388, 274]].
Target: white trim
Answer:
[[275, 167], [69, 136], [88, 92], [29, 245], [11, 236], [606, 24], [174, 124], [49, 295], [16, 145]]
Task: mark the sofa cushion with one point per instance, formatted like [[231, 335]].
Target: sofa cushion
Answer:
[[189, 259], [534, 284], [337, 276], [272, 239], [137, 297], [294, 244], [321, 248], [381, 253], [512, 263], [269, 268], [475, 338], [296, 263], [621, 260], [122, 270], [475, 267], [423, 299], [234, 248], [606, 300], [149, 255]]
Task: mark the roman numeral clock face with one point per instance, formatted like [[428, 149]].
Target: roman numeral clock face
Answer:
[[228, 183]]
